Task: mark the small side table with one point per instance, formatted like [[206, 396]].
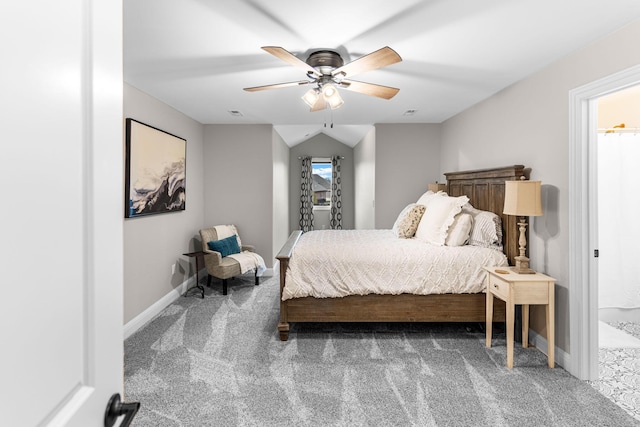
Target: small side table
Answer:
[[198, 255], [525, 289]]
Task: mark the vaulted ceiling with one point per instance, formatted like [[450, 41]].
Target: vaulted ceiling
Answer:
[[198, 55]]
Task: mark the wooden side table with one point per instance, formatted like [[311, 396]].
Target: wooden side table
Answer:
[[524, 289], [197, 255]]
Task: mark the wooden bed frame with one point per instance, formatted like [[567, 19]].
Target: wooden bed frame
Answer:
[[485, 189]]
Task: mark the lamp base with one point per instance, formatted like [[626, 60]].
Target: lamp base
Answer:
[[522, 266]]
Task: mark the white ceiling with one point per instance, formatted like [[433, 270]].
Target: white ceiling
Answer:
[[198, 55]]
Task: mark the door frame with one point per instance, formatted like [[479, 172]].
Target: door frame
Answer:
[[583, 229]]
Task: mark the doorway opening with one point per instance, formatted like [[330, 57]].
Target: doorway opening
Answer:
[[618, 282], [583, 224]]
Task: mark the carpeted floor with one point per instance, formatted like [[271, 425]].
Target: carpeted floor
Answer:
[[219, 362]]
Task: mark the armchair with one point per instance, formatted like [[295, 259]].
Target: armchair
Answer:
[[226, 257]]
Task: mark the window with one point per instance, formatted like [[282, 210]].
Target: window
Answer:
[[321, 183]]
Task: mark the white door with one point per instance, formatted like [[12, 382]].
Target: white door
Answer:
[[61, 215]]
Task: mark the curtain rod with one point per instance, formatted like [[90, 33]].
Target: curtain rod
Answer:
[[300, 157], [618, 130]]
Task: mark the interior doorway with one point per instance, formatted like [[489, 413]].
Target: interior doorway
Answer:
[[618, 282], [583, 214], [618, 151]]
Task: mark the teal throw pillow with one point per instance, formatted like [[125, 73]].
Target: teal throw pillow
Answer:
[[226, 246]]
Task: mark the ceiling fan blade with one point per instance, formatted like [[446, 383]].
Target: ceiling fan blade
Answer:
[[372, 61], [276, 86], [290, 58], [380, 91]]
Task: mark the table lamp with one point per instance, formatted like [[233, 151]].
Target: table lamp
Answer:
[[522, 198], [435, 187]]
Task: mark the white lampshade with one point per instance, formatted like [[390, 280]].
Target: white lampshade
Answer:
[[311, 97], [335, 101], [332, 96], [328, 90], [523, 198]]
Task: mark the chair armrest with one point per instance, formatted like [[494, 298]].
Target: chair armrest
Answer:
[[249, 248]]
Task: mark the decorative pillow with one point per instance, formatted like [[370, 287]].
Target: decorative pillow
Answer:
[[427, 197], [458, 233], [487, 228], [407, 223], [223, 231], [438, 217], [227, 246]]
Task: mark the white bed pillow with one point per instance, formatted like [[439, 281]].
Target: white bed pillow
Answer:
[[459, 231], [407, 222], [487, 228], [427, 197], [438, 217]]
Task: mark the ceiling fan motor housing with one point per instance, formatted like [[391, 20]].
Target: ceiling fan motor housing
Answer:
[[325, 61]]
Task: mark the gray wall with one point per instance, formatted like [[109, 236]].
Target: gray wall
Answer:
[[322, 145], [364, 160], [407, 159], [527, 123], [152, 244], [238, 182], [280, 192]]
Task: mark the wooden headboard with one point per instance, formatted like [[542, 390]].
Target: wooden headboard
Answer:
[[485, 190]]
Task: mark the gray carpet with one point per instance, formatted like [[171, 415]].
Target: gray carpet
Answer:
[[219, 362]]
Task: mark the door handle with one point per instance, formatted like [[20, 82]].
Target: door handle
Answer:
[[116, 408]]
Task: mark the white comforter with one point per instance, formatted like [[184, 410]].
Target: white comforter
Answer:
[[337, 263]]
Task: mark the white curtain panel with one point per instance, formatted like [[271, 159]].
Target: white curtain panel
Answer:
[[618, 224]]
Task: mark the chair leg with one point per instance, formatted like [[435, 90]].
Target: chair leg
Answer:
[[257, 278], [208, 280], [224, 286]]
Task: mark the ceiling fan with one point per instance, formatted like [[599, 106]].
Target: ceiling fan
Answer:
[[327, 70]]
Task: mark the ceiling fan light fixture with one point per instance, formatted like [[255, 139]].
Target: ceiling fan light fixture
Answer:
[[332, 96], [328, 91], [335, 101], [311, 97]]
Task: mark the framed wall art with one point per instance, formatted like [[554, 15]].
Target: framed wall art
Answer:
[[155, 170]]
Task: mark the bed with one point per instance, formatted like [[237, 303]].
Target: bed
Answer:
[[484, 189]]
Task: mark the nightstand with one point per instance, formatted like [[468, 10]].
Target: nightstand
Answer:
[[524, 289]]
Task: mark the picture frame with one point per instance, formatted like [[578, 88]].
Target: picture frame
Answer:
[[155, 171]]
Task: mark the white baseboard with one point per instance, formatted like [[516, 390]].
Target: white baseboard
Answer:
[[146, 316], [561, 357]]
